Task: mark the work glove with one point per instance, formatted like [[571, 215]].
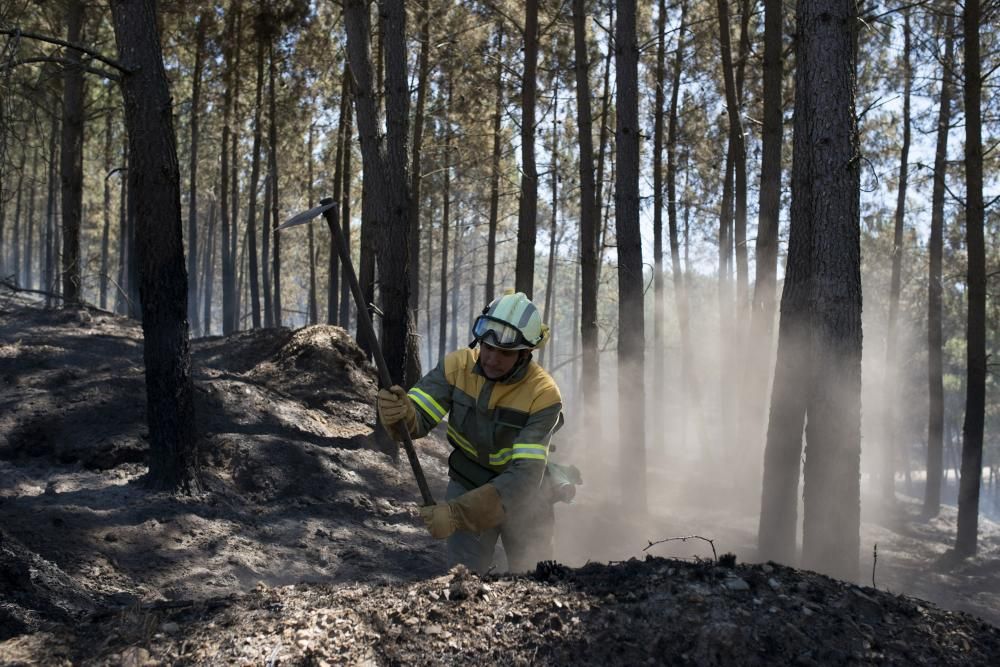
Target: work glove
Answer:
[[396, 410], [475, 511]]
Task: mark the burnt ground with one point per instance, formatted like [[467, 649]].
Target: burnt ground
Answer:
[[306, 548]]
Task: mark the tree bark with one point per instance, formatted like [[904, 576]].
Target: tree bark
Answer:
[[254, 181], [106, 231], [228, 280], [890, 388], [631, 337], [769, 208], [491, 243], [416, 175], [71, 156], [275, 191], [192, 231], [386, 181], [527, 212], [589, 212], [345, 211], [818, 371], [310, 202], [550, 275], [935, 338], [445, 225], [29, 255], [659, 305], [155, 180], [50, 216], [966, 541], [209, 271]]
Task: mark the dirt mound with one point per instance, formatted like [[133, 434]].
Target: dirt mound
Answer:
[[653, 611], [35, 591], [295, 490]]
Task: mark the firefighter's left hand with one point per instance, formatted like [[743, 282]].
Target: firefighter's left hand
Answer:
[[438, 520]]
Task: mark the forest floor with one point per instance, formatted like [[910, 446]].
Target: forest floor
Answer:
[[305, 546]]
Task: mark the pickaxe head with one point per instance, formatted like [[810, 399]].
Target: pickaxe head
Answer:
[[306, 216]]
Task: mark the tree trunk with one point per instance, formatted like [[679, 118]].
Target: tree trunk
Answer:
[[769, 208], [235, 151], [192, 235], [155, 180], [975, 336], [106, 231], [491, 250], [890, 388], [416, 177], [275, 190], [527, 212], [29, 245], [265, 247], [310, 202], [550, 275], [589, 212], [445, 224], [230, 75], [386, 181], [935, 372], [343, 148], [251, 231], [818, 372], [456, 261], [71, 156], [345, 211], [15, 241], [209, 272], [631, 337], [602, 151], [50, 216], [122, 305], [659, 309]]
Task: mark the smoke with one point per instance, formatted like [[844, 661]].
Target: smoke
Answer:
[[705, 436]]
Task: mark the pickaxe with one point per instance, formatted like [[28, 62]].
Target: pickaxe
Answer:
[[328, 209]]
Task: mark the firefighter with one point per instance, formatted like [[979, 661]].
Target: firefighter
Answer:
[[502, 410]]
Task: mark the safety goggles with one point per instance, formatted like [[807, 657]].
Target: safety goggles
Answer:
[[498, 334]]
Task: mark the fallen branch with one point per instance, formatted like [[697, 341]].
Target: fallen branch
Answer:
[[711, 543]]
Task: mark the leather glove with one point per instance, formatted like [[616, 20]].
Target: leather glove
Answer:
[[396, 409], [475, 511]]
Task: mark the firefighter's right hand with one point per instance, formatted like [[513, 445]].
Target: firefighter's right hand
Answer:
[[394, 407]]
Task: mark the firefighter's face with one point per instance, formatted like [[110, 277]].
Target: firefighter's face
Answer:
[[497, 362]]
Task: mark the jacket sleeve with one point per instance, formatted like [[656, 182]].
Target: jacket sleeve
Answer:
[[529, 454], [431, 397]]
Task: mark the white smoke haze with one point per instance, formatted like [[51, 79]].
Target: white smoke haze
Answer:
[[704, 465]]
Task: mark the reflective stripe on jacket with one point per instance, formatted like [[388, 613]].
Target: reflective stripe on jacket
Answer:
[[505, 426]]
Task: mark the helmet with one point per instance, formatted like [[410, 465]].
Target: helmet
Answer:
[[510, 322]]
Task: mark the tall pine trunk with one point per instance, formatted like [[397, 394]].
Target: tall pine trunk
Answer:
[[275, 191], [527, 212], [71, 156], [106, 230], [589, 213], [251, 231], [890, 388], [192, 230], [491, 242], [975, 337], [818, 370], [155, 181], [631, 336], [935, 338]]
